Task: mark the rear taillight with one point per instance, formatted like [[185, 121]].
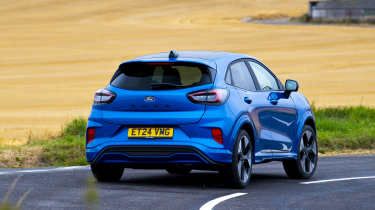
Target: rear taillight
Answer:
[[90, 135], [217, 135], [104, 96], [213, 96]]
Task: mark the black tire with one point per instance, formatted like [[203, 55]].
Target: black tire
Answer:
[[107, 173], [179, 170], [304, 167], [238, 174]]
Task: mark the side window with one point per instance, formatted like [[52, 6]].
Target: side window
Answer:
[[266, 80], [241, 76]]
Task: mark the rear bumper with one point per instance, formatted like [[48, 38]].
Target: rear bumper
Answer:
[[190, 144], [146, 155]]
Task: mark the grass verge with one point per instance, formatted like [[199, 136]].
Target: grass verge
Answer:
[[66, 149], [341, 130]]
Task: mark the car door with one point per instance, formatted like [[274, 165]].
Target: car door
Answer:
[[275, 115], [240, 78]]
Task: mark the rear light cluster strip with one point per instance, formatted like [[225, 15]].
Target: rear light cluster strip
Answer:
[[211, 97], [104, 96]]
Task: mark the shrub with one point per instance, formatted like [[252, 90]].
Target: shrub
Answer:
[[77, 127]]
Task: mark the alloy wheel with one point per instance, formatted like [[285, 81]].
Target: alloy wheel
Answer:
[[308, 152], [244, 159]]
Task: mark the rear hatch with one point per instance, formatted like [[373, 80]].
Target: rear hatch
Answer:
[[155, 93]]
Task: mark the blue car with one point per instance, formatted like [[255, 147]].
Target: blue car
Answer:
[[203, 110]]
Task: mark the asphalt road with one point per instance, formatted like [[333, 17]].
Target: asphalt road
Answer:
[[65, 188]]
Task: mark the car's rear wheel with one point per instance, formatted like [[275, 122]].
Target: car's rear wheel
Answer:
[[179, 170], [305, 166], [107, 173], [239, 172]]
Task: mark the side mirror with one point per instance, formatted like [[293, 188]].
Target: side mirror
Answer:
[[290, 86]]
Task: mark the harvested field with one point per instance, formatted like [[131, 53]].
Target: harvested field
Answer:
[[56, 53]]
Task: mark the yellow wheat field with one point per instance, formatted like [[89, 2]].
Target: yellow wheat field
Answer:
[[54, 54]]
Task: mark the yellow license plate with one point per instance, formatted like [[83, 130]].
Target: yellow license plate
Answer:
[[150, 132]]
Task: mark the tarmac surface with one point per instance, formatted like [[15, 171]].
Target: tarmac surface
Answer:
[[339, 183]]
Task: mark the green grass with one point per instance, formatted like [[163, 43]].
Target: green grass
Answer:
[[68, 149], [64, 150], [339, 129], [345, 128], [77, 127]]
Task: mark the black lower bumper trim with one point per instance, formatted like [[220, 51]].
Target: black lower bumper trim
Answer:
[[145, 151]]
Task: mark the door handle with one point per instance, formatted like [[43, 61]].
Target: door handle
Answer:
[[274, 102], [247, 100]]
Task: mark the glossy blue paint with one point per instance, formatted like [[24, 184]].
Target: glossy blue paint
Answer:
[[275, 120]]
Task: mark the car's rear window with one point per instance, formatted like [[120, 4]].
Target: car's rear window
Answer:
[[161, 76]]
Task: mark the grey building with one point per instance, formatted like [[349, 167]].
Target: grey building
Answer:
[[341, 10]]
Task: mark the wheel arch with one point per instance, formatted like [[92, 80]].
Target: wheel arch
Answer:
[[310, 121], [306, 119], [244, 123], [248, 128]]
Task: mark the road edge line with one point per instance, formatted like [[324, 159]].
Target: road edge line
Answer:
[[41, 170], [338, 180]]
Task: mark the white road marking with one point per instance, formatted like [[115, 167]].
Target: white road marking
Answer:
[[338, 180], [70, 168], [212, 203]]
